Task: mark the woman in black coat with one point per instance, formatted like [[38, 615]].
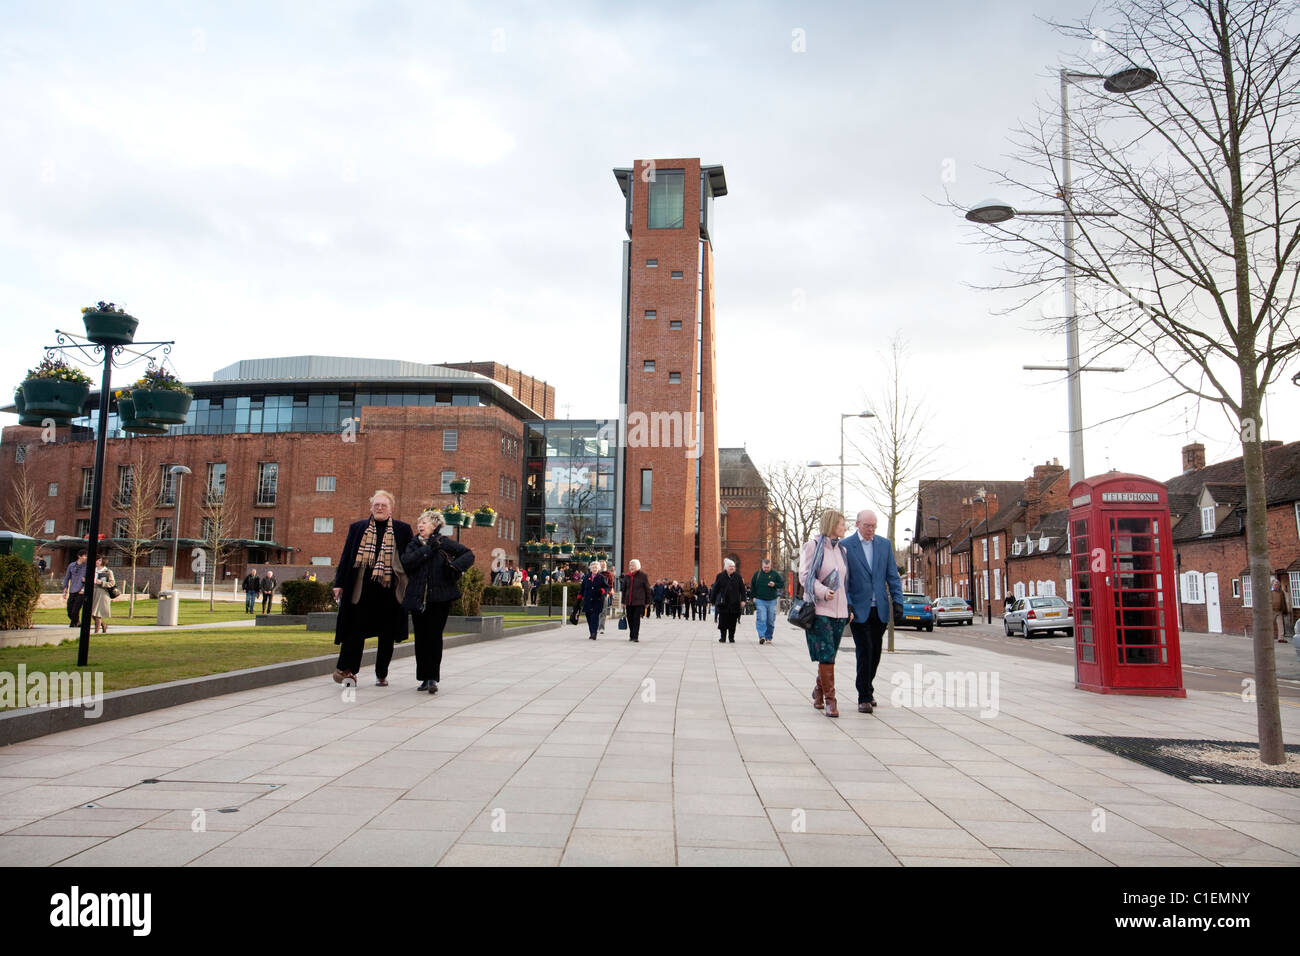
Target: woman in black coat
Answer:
[[369, 586], [636, 595], [594, 588], [435, 564], [728, 593]]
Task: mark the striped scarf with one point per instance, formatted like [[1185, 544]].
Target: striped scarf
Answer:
[[381, 557]]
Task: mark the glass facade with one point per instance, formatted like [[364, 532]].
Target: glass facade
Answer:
[[226, 412], [569, 478]]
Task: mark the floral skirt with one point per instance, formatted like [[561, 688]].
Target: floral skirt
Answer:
[[824, 638]]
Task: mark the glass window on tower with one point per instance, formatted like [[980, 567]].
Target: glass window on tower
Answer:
[[667, 199]]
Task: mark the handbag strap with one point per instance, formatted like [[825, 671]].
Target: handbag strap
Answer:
[[816, 566]]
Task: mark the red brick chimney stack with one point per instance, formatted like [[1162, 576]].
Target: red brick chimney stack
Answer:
[[1193, 457]]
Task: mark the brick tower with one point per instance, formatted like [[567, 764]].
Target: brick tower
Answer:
[[669, 474]]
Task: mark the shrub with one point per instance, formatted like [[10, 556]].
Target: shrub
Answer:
[[20, 589], [471, 586], [505, 596], [575, 593], [304, 597]]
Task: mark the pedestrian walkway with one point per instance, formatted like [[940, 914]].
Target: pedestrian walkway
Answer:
[[552, 749]]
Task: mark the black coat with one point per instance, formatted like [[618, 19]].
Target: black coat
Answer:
[[594, 589], [637, 593], [434, 567], [728, 592], [392, 622]]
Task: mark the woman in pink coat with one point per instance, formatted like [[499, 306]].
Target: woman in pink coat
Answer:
[[830, 591]]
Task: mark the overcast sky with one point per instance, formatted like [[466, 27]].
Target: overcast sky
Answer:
[[433, 182]]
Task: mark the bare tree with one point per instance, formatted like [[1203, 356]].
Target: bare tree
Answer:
[[139, 510], [894, 451], [220, 519], [800, 495], [1191, 270], [25, 505]]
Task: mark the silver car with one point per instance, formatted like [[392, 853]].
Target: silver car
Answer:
[[952, 610], [1037, 615]]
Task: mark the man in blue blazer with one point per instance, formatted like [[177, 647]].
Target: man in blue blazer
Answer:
[[874, 590]]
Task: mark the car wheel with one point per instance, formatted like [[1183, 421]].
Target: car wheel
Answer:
[[1069, 632], [929, 628], [1007, 628]]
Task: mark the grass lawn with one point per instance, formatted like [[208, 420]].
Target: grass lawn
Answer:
[[134, 660], [191, 611]]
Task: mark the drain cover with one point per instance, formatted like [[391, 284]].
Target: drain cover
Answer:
[[1200, 761]]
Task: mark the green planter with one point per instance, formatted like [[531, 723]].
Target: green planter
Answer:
[[566, 549], [589, 540], [110, 328], [161, 406], [459, 486], [466, 519], [451, 517], [54, 398], [550, 527], [34, 421], [555, 549], [482, 520], [130, 423]]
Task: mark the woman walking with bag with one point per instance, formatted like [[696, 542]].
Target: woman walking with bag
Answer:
[[728, 595], [594, 589], [434, 564], [101, 607], [825, 573]]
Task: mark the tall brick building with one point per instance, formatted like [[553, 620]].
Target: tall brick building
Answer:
[[750, 521], [668, 403]]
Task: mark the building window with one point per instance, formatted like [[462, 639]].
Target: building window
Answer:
[[205, 530], [162, 528], [1192, 588], [445, 487], [997, 546], [322, 561], [1246, 584], [667, 199], [323, 525], [325, 482], [1207, 519], [166, 487], [449, 439], [1016, 548], [115, 558], [1236, 587], [651, 313], [83, 528], [674, 324], [87, 487], [53, 490], [120, 528], [49, 526], [158, 558], [1296, 506], [648, 365], [652, 263], [268, 477], [125, 484], [646, 482], [264, 529], [677, 273], [674, 378], [1295, 583], [984, 546], [216, 479]]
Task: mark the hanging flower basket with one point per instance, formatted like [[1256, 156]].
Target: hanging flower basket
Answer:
[[34, 421], [161, 406], [459, 486], [485, 517], [54, 398], [555, 549], [531, 547], [550, 527], [566, 548], [589, 539], [106, 324], [452, 516], [129, 421], [466, 519]]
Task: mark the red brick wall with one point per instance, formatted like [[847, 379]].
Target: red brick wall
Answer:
[[750, 535]]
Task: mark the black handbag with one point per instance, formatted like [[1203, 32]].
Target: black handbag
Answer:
[[622, 624], [803, 611]]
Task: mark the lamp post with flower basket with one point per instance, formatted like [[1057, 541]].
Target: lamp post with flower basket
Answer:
[[54, 393]]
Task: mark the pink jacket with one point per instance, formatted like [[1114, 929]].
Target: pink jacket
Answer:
[[832, 560]]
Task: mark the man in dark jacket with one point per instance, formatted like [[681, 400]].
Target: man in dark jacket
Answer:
[[369, 586], [268, 590], [434, 564], [252, 587], [657, 594], [728, 596], [766, 586], [636, 595]]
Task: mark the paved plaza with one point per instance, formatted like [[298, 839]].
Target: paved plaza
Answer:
[[550, 749]]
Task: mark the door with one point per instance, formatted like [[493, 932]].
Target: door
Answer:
[[1215, 624]]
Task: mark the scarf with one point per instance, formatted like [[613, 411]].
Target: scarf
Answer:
[[381, 557]]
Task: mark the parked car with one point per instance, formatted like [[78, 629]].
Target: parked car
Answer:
[[917, 612], [952, 610], [1037, 615]]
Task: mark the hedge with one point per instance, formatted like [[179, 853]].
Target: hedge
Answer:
[[304, 597], [20, 591], [575, 593], [506, 596]]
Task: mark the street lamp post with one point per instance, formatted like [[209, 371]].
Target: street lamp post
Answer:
[[938, 565], [844, 415], [993, 212], [988, 558], [178, 472], [911, 543]]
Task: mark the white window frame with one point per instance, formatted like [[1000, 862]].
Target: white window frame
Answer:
[[1016, 548], [1192, 584], [1236, 587], [647, 488], [674, 378], [322, 525], [1293, 579], [326, 483], [1246, 592], [652, 313], [450, 439], [1207, 519], [648, 365], [321, 560], [984, 548], [1044, 543], [49, 526], [997, 547], [53, 490]]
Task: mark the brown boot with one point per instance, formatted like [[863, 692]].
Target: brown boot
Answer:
[[817, 689], [827, 672]]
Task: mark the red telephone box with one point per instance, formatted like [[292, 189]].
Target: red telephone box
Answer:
[[1122, 569]]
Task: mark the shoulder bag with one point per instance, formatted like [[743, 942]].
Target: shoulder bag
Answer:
[[803, 611]]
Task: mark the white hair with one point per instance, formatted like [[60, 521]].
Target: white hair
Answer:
[[728, 563], [634, 564]]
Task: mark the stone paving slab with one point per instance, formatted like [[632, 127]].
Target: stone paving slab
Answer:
[[559, 751]]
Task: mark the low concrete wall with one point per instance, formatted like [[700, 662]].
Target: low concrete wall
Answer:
[[280, 620], [30, 722], [488, 624]]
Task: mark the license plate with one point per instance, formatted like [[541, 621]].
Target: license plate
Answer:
[[1052, 614], [913, 617]]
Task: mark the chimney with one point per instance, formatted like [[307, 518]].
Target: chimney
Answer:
[[1035, 506], [967, 511], [1271, 443], [1193, 457]]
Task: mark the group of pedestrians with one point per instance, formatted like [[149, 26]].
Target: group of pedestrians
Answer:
[[689, 601], [386, 572], [254, 585], [102, 583]]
